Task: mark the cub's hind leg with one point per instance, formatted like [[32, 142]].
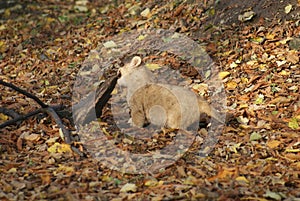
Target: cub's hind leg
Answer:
[[137, 116]]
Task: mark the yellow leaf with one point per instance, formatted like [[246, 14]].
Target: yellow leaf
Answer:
[[273, 144], [231, 85], [151, 182], [244, 105], [223, 74], [242, 179], [288, 9], [201, 88], [12, 170], [152, 66], [3, 117], [284, 41], [115, 91], [142, 37], [49, 20], [293, 123], [258, 40], [3, 46], [2, 27], [292, 150], [65, 169], [244, 80], [270, 36], [146, 13], [260, 99], [283, 72], [59, 148], [7, 13]]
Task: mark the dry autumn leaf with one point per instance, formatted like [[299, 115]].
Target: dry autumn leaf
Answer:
[[60, 148], [273, 144], [129, 187]]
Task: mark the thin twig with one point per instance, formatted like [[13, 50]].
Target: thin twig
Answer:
[[20, 118], [53, 114], [17, 118], [14, 87]]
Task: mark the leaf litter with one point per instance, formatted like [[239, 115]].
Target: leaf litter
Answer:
[[43, 44]]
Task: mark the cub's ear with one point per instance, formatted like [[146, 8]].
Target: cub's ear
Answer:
[[135, 62]]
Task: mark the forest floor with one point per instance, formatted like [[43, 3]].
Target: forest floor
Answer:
[[256, 44]]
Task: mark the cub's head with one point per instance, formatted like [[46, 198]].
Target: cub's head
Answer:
[[127, 69]]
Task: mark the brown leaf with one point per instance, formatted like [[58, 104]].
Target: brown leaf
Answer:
[[293, 57], [273, 144]]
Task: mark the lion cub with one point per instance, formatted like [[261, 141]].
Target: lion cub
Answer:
[[160, 104]]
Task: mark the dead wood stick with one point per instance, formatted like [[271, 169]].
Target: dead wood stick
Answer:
[[19, 118], [45, 108], [29, 95], [91, 106], [9, 112]]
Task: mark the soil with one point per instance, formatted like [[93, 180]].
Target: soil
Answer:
[[227, 11]]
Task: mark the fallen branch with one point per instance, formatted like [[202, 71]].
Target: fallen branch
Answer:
[[91, 106], [84, 109], [29, 95], [17, 117], [45, 108]]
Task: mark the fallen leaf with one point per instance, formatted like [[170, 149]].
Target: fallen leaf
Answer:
[[110, 44], [242, 120], [223, 74], [129, 187], [273, 144], [60, 148], [231, 85], [293, 123], [280, 99], [3, 117], [181, 171], [151, 182], [242, 179], [32, 137], [65, 169], [255, 136], [191, 180], [223, 174], [146, 13], [153, 66], [233, 65], [284, 73], [293, 156], [260, 99], [288, 9], [273, 195], [12, 170], [258, 40], [46, 178], [246, 16], [201, 88], [292, 57]]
